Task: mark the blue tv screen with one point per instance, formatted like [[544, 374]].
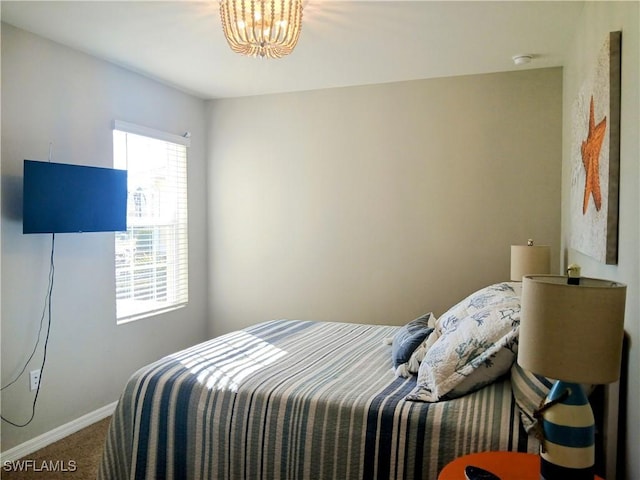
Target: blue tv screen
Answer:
[[63, 198]]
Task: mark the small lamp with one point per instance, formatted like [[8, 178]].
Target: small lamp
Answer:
[[572, 333], [529, 260]]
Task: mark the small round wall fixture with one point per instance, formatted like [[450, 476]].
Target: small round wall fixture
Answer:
[[522, 59]]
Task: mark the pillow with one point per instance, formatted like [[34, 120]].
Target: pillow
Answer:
[[530, 390], [475, 343], [406, 341]]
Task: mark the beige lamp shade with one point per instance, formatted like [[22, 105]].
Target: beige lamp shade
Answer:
[[529, 260], [572, 332]]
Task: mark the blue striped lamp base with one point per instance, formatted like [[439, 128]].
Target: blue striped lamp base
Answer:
[[568, 449]]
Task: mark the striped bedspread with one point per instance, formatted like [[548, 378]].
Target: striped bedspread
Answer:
[[296, 400]]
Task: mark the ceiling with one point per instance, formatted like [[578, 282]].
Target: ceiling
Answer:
[[342, 43]]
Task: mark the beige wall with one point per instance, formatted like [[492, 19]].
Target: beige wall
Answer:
[[598, 19], [51, 93], [378, 203]]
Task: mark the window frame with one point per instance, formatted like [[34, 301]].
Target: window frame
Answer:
[[184, 141]]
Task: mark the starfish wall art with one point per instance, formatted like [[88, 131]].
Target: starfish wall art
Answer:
[[595, 158]]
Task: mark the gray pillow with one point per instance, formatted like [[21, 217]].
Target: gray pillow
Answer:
[[408, 338]]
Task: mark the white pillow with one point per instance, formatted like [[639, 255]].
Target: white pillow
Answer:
[[475, 343]]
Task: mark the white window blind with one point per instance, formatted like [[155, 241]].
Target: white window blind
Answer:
[[152, 255]]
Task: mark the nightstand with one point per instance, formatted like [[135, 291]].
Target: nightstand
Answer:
[[506, 465]]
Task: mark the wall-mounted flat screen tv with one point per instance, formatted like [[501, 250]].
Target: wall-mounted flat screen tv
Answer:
[[63, 198]]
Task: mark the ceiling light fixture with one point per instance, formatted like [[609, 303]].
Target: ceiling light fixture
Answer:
[[261, 28]]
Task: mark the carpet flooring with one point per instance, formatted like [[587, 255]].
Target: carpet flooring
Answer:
[[75, 457]]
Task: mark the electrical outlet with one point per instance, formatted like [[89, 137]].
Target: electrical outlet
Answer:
[[34, 379]]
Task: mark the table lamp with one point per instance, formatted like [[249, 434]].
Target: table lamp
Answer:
[[529, 259], [572, 333]]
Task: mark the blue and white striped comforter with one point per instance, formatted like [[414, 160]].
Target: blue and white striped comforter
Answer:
[[296, 400]]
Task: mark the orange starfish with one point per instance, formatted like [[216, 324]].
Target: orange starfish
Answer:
[[591, 160]]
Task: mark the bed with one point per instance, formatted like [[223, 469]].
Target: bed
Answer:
[[290, 399]]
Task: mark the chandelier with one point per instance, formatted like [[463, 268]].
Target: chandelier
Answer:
[[261, 28]]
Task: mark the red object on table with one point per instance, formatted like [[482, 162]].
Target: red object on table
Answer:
[[506, 465]]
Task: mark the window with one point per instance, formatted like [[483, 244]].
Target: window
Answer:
[[152, 255]]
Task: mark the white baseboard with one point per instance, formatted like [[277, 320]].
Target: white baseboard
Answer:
[[56, 434]]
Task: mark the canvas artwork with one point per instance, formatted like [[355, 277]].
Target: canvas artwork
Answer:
[[595, 157]]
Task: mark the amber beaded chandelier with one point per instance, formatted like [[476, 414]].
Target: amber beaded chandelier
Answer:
[[261, 28]]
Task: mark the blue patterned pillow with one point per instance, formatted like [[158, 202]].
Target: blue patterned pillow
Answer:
[[476, 343], [408, 338]]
